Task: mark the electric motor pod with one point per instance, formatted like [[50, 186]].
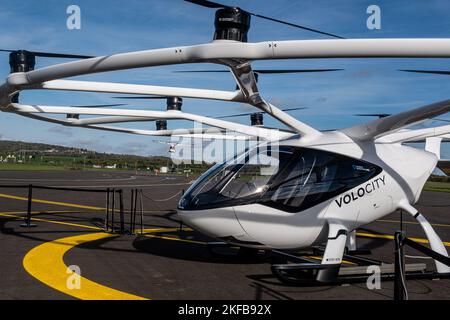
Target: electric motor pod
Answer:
[[21, 61], [232, 24], [161, 125], [257, 119], [174, 103]]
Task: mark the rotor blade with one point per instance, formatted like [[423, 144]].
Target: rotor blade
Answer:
[[100, 105], [208, 4], [428, 71], [236, 115], [379, 115], [264, 71], [281, 71], [296, 25], [201, 71], [250, 113], [215, 5], [439, 119], [143, 97], [384, 115], [292, 109], [52, 55], [60, 55]]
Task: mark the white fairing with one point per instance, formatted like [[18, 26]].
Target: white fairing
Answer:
[[362, 173], [367, 202], [279, 229], [217, 223]]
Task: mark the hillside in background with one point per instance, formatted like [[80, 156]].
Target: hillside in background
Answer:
[[16, 155]]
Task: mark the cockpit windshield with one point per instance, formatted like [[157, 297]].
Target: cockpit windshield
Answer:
[[289, 178]]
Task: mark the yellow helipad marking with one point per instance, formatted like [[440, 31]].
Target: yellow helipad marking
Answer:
[[65, 204], [52, 221], [175, 239], [38, 212], [389, 237], [410, 222], [45, 263], [151, 230]]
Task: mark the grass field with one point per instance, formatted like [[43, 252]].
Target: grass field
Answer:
[[29, 167], [437, 186], [42, 167]]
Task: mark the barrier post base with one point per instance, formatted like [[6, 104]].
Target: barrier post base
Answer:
[[28, 225]]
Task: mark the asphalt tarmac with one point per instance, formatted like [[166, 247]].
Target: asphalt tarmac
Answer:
[[164, 262]]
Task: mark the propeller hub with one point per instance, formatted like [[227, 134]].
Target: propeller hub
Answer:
[[232, 24], [21, 61], [73, 116], [161, 125], [257, 119], [174, 103]]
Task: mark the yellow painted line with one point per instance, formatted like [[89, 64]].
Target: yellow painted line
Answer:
[[409, 222], [389, 237], [175, 239], [68, 204], [65, 204], [320, 259], [52, 221], [153, 230], [38, 212], [45, 263]]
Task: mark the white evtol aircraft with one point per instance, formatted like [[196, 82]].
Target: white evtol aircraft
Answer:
[[319, 188]]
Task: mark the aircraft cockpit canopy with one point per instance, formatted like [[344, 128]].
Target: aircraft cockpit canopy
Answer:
[[288, 178]]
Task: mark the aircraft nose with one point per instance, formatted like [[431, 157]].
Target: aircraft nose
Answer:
[[217, 223]]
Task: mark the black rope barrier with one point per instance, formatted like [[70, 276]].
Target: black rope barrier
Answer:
[[53, 188], [109, 208]]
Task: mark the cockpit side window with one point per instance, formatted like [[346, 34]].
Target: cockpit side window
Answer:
[[316, 176], [253, 178], [294, 179]]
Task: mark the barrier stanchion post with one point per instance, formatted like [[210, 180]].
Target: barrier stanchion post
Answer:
[[122, 215], [142, 213], [135, 208], [181, 221], [108, 200], [131, 212], [113, 209], [28, 223], [400, 292]]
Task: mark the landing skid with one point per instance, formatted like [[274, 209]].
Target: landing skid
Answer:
[[304, 274], [356, 270]]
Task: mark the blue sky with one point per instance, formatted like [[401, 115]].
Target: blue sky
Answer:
[[366, 85]]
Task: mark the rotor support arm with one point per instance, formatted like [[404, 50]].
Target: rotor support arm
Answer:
[[194, 133], [247, 82], [293, 49], [416, 135], [266, 134], [124, 88], [433, 238]]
